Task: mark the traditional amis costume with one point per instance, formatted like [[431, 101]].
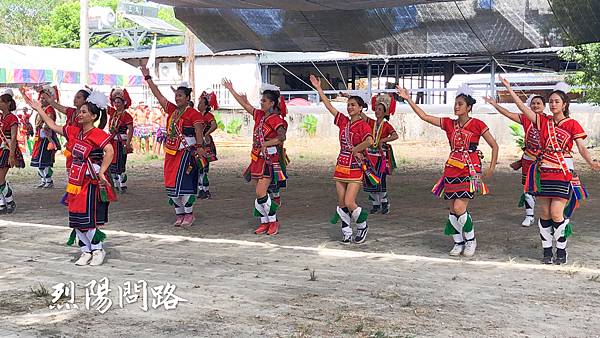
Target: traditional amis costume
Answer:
[[350, 169], [270, 164], [381, 154], [553, 176], [46, 143], [208, 144], [7, 121], [120, 122], [462, 173], [181, 163]]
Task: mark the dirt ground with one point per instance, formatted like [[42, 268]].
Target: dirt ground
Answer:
[[302, 282]]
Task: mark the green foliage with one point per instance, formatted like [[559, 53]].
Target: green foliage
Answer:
[[309, 124], [219, 121], [61, 29], [234, 126], [20, 20], [517, 131], [588, 56]]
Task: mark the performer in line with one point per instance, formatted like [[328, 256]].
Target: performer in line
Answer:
[[10, 154], [352, 163], [268, 163], [45, 140], [462, 172], [206, 103], [89, 189], [531, 148], [121, 130], [183, 150], [381, 154], [552, 178]]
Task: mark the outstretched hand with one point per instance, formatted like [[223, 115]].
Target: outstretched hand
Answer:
[[227, 83], [144, 69], [488, 173], [30, 102], [504, 81], [489, 100], [403, 92], [315, 81]]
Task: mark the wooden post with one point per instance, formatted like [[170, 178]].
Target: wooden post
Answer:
[[190, 60]]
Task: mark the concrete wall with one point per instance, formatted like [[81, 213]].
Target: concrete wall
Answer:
[[411, 128]]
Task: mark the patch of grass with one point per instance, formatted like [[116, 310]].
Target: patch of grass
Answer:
[[359, 327], [40, 291], [378, 334], [313, 275]]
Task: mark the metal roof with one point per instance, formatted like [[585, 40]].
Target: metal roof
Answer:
[[153, 25], [171, 51], [382, 27]]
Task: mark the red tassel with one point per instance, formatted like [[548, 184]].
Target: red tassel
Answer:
[[212, 101], [282, 106], [126, 98], [392, 105]]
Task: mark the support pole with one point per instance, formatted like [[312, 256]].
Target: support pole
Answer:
[[493, 65], [369, 79], [84, 42], [191, 59]]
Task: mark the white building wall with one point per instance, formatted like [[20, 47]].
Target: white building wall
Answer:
[[242, 70]]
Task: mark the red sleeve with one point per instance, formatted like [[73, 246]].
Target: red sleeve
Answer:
[[99, 137], [276, 121], [388, 129], [127, 118], [257, 114], [481, 127], [341, 120], [447, 124], [171, 108], [365, 131], [208, 118], [70, 131], [70, 111], [11, 120], [577, 131], [193, 116]]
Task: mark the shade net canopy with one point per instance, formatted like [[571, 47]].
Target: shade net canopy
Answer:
[[478, 27]]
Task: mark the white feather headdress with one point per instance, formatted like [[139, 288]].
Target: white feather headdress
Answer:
[[184, 84], [563, 87], [464, 89], [268, 86], [99, 99], [8, 91]]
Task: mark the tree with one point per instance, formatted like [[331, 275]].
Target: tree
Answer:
[[62, 29], [588, 57], [21, 19]]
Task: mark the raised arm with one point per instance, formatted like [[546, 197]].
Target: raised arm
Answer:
[[38, 107], [57, 106], [491, 141], [403, 93], [241, 99], [153, 88], [502, 110], [522, 106], [316, 82]]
